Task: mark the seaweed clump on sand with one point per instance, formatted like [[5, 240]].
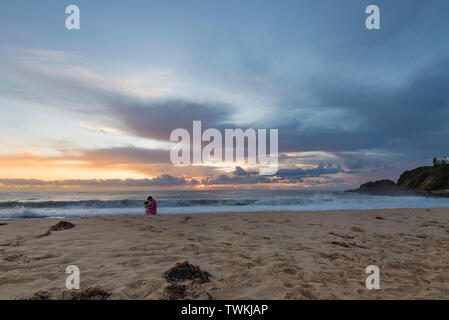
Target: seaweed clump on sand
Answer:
[[185, 271], [175, 291], [61, 225], [91, 293], [185, 282], [40, 295]]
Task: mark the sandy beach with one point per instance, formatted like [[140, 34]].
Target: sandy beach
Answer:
[[291, 255]]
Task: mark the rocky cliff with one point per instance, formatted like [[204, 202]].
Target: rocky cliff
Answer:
[[429, 181], [382, 187], [430, 178]]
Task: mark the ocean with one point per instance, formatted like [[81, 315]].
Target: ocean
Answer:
[[119, 203]]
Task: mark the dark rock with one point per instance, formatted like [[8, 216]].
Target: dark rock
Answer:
[[428, 181], [3, 224]]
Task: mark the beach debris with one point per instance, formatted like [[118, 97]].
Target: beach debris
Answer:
[[40, 295], [187, 218], [358, 245], [342, 244], [333, 256], [185, 282], [203, 295], [186, 271], [348, 244], [175, 291], [47, 233], [432, 223], [308, 294], [91, 293], [47, 256], [61, 225], [341, 235], [3, 224], [379, 218]]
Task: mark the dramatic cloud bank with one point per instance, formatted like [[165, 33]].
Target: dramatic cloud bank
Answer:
[[372, 103]]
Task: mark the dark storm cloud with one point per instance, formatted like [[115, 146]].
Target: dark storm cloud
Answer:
[[168, 180], [411, 118], [237, 180], [299, 173], [359, 160], [294, 175], [156, 119]]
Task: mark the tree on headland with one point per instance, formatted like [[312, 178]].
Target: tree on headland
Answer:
[[440, 161]]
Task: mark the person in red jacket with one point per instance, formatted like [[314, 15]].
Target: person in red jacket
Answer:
[[152, 205]]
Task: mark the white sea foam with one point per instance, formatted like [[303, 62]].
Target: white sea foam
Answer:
[[182, 202]]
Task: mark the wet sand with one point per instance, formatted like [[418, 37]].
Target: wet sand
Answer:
[[291, 255]]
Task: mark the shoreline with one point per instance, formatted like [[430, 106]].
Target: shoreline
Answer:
[[225, 213], [263, 255]]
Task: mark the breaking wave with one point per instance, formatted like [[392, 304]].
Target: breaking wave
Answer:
[[244, 201]]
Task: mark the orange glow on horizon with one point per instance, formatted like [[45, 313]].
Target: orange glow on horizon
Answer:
[[59, 168], [54, 168]]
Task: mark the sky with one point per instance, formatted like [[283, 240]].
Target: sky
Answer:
[[94, 108]]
